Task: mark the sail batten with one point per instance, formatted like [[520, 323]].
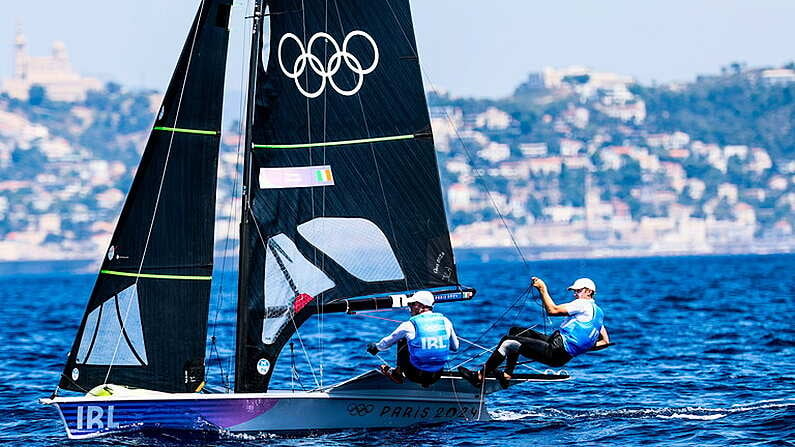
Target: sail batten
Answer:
[[335, 143], [155, 275], [191, 131]]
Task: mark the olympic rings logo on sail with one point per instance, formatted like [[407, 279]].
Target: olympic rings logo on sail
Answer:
[[326, 73]]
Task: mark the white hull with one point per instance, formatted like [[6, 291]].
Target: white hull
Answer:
[[367, 401]]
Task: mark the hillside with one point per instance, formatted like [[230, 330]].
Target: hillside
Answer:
[[571, 159]]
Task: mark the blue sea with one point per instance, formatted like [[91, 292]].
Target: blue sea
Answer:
[[704, 355]]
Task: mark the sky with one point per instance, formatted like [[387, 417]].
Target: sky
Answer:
[[467, 47]]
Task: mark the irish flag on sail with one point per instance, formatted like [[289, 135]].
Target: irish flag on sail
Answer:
[[324, 175], [295, 177]]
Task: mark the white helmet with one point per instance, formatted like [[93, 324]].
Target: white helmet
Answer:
[[423, 297]]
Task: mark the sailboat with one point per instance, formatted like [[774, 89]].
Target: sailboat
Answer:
[[342, 212]]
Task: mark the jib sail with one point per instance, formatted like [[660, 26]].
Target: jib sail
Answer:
[[146, 321], [344, 198]]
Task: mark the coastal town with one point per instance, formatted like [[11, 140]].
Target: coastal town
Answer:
[[576, 172]]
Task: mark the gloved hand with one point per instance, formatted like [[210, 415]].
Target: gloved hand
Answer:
[[372, 348]]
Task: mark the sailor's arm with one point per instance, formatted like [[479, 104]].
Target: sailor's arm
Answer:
[[402, 331], [552, 309], [603, 337]]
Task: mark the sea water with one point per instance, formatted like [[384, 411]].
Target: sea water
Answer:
[[704, 355]]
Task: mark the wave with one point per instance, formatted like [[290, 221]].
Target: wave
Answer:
[[694, 413], [726, 351], [702, 417], [780, 343]]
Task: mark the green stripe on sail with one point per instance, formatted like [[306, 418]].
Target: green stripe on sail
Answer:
[[333, 143], [193, 131], [154, 276]]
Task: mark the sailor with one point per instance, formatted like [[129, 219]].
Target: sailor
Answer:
[[424, 343], [582, 331]]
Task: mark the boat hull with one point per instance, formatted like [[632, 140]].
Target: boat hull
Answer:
[[369, 400], [257, 413]]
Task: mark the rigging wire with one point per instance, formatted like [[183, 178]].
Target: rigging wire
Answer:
[[521, 296], [232, 217], [321, 318], [483, 183], [158, 196], [375, 163]]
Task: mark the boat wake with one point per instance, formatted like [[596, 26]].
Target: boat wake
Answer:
[[691, 413]]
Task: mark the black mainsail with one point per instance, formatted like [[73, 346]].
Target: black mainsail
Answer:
[[146, 320], [343, 198]]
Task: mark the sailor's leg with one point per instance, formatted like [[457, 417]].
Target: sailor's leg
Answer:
[[556, 353], [517, 330], [510, 349], [538, 350], [495, 359], [403, 358], [528, 333]]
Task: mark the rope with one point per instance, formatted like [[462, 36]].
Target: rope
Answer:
[[377, 318], [496, 321], [469, 156]]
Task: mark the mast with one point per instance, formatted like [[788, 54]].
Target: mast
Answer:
[[245, 218]]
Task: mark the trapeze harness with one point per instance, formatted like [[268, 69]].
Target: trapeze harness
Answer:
[[580, 336], [430, 348]]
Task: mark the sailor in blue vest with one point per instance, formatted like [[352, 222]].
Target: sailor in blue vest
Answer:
[[424, 343], [582, 331]]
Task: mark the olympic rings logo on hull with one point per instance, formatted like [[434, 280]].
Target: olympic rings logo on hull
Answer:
[[327, 72]]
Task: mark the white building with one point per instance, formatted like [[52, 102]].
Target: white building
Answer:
[[778, 76], [736, 150], [53, 72], [570, 148], [534, 149], [493, 118], [495, 152]]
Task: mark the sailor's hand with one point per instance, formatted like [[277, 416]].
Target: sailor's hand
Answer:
[[538, 283], [372, 348]]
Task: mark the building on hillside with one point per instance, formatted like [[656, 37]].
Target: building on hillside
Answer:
[[54, 73], [494, 119], [547, 165], [569, 147], [534, 149], [495, 152], [760, 160], [728, 191], [736, 150], [778, 76]]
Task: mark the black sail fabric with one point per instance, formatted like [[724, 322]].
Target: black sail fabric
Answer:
[[345, 193], [146, 321]]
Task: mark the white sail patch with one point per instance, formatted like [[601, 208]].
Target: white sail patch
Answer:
[[356, 244], [290, 280], [104, 342], [295, 177]]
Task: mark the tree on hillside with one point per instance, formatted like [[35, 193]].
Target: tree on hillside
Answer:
[[37, 95]]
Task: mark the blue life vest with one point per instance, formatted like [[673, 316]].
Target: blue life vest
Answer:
[[430, 348], [580, 336]]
